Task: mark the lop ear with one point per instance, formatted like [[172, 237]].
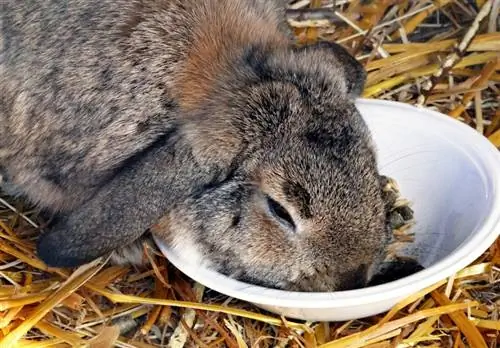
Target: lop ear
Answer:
[[353, 72], [85, 235], [118, 214]]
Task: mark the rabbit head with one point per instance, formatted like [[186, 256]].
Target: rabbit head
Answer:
[[299, 206]]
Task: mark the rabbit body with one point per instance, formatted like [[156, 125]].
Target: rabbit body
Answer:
[[199, 121]]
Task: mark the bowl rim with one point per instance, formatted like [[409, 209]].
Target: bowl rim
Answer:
[[489, 161]]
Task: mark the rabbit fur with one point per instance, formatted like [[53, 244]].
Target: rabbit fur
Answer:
[[198, 121]]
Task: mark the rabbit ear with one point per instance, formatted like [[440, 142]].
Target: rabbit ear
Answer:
[[60, 248], [64, 247], [354, 73], [120, 212], [77, 239]]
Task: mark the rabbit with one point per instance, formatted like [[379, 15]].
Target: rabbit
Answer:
[[199, 122]]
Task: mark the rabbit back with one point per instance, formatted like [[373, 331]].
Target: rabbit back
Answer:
[[77, 99]]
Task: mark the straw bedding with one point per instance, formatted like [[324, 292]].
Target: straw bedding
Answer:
[[441, 54]]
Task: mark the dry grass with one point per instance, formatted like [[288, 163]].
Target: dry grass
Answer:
[[442, 54]]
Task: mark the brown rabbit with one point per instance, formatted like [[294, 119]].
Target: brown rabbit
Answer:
[[197, 115]]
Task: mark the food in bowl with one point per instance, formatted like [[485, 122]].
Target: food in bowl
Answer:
[[400, 219]]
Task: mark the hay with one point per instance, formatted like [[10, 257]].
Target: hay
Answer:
[[442, 54]]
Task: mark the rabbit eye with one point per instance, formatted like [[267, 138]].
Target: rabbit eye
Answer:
[[280, 213]]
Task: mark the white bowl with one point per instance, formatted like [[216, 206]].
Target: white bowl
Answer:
[[451, 174]]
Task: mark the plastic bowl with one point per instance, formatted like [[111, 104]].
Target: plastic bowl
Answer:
[[450, 173]]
